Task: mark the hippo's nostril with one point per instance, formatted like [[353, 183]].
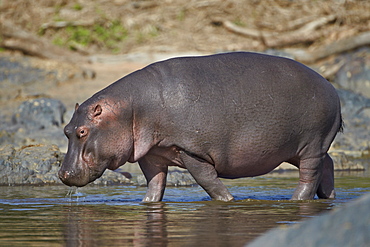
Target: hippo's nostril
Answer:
[[63, 175]]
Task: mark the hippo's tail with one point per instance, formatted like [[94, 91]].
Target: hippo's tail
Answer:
[[341, 124]]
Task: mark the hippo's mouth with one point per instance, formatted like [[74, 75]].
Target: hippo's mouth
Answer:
[[70, 178], [79, 177]]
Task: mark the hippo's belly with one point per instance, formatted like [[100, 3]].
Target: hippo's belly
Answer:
[[258, 156], [247, 169]]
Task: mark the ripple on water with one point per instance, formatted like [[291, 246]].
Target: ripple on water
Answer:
[[115, 215]]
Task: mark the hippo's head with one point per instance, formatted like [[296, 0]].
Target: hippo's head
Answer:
[[99, 137]]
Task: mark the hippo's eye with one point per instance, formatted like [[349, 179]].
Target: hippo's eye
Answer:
[[81, 132]]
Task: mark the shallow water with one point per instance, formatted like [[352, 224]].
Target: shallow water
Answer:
[[115, 215]]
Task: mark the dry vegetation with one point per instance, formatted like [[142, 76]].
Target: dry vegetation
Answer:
[[123, 26]]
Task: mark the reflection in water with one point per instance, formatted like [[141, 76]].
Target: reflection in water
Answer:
[[152, 231], [181, 224], [91, 226]]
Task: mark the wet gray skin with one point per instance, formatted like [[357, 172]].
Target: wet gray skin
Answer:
[[230, 115]]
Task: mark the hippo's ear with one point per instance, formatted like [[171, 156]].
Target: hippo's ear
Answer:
[[97, 110], [76, 106]]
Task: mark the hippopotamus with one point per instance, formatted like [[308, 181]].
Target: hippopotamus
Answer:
[[229, 115]]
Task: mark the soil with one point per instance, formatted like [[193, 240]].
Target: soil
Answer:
[[178, 25], [171, 26]]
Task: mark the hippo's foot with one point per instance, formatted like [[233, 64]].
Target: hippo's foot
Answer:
[[206, 176], [156, 176], [309, 179], [326, 187], [316, 175]]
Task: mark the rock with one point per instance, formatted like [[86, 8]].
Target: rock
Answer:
[[180, 178], [6, 137], [35, 121], [39, 165], [38, 114], [111, 177], [348, 225], [354, 105], [174, 178], [24, 76], [344, 162], [23, 70], [356, 117], [18, 71], [354, 75]]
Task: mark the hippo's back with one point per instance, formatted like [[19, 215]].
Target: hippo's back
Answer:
[[242, 89]]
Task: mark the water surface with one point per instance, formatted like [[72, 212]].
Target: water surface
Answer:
[[115, 215]]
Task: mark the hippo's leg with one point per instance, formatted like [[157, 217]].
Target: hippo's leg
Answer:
[[156, 176], [310, 171], [206, 176], [326, 187]]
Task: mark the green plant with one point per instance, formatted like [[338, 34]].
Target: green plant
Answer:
[[107, 34], [59, 41], [77, 6], [113, 31], [80, 35]]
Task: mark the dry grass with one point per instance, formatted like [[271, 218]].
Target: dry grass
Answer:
[[179, 25]]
